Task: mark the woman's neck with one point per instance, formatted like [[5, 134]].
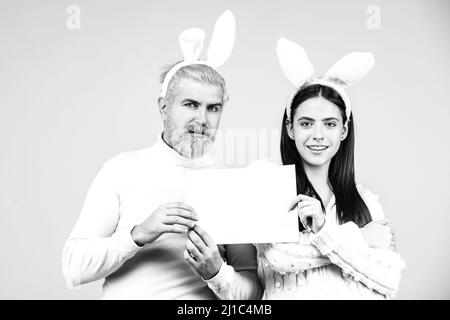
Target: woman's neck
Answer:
[[318, 176]]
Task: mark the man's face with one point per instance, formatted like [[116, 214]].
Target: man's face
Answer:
[[192, 118]]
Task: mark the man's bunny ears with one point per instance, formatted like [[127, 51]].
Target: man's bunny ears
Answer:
[[299, 70], [191, 43]]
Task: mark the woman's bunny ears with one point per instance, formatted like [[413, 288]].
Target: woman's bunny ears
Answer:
[[299, 70], [191, 43]]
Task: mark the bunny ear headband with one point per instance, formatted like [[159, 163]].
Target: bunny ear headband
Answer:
[[191, 43], [345, 72]]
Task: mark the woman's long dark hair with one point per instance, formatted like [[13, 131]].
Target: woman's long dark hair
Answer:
[[341, 173]]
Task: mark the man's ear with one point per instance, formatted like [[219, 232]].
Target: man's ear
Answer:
[[162, 103], [290, 129]]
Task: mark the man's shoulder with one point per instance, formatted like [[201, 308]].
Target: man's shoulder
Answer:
[[128, 158]]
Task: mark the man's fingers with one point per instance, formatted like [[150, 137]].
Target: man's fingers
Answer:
[[204, 236], [181, 213], [179, 205], [197, 241], [297, 199], [189, 258], [193, 249], [174, 229], [170, 220]]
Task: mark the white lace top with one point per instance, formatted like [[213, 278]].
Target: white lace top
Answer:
[[335, 263]]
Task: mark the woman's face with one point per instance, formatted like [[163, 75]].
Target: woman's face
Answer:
[[318, 130]]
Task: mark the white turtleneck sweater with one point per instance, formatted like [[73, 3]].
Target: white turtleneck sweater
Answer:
[[128, 188]]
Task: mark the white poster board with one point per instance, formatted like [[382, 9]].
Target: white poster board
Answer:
[[245, 205]]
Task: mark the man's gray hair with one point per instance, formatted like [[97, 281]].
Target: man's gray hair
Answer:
[[198, 72]]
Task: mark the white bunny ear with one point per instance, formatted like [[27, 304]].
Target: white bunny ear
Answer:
[[294, 62], [222, 40], [351, 68], [191, 43]]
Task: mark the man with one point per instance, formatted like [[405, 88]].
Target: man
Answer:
[[135, 230]]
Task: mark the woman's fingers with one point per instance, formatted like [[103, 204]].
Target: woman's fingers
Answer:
[[307, 203], [297, 199], [304, 215], [383, 222]]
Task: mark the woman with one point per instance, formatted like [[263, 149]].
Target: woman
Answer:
[[346, 248]]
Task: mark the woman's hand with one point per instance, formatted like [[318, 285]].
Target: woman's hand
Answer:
[[379, 235], [309, 209]]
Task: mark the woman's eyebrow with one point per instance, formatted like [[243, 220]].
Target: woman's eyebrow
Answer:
[[330, 118], [306, 118]]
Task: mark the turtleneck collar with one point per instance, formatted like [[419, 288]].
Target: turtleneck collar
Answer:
[[175, 158]]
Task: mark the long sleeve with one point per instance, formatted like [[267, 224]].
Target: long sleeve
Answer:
[[237, 279], [95, 248], [344, 245]]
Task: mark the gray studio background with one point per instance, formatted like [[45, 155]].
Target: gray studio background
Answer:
[[72, 98]]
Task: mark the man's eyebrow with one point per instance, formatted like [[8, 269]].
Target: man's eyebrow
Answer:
[[330, 118], [190, 101], [220, 104]]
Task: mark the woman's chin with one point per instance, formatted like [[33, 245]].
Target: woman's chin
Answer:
[[316, 162]]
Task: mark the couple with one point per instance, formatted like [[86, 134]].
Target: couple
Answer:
[[135, 231]]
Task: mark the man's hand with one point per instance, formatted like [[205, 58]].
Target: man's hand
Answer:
[[379, 235], [202, 253], [174, 217]]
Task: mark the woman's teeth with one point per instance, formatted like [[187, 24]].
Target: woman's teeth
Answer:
[[317, 148]]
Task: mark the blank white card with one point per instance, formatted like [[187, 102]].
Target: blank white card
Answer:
[[245, 205]]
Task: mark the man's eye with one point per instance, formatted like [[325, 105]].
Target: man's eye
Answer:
[[214, 108], [190, 105], [330, 124]]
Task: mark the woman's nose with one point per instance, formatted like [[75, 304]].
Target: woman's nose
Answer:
[[318, 132]]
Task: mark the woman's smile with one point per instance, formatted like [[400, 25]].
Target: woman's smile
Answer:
[[316, 148]]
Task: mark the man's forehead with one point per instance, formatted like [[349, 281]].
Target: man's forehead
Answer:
[[189, 89]]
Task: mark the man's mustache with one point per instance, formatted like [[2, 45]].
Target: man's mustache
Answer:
[[195, 129]]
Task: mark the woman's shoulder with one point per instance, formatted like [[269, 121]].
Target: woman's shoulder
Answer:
[[372, 202], [365, 192]]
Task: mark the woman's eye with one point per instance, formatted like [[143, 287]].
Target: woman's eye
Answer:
[[190, 105], [330, 124], [305, 124]]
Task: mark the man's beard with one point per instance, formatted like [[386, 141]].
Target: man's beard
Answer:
[[190, 145]]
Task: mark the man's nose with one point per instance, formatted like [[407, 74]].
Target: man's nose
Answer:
[[201, 115]]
